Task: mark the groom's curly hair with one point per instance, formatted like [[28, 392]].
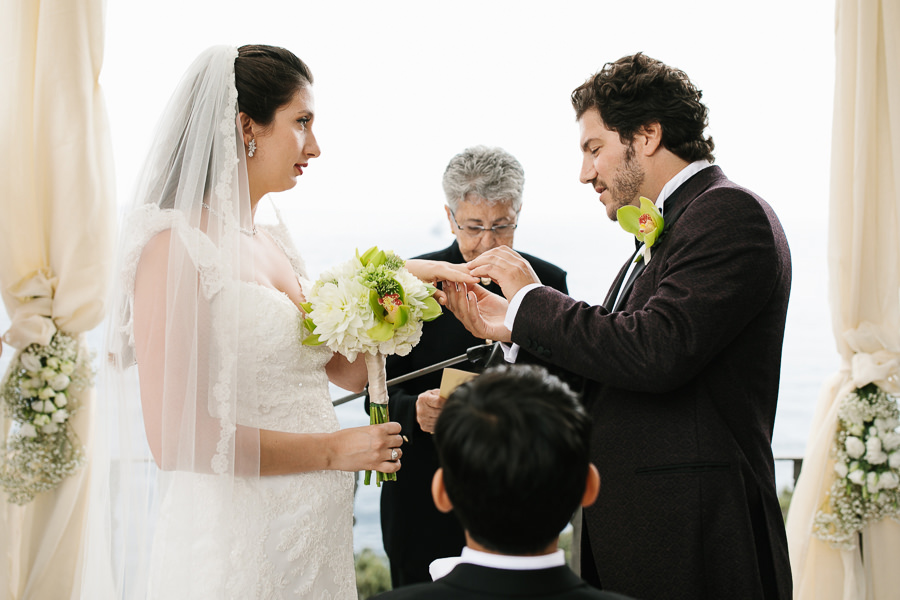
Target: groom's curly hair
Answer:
[[513, 445], [637, 90]]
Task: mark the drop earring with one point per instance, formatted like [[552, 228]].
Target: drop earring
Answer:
[[251, 147]]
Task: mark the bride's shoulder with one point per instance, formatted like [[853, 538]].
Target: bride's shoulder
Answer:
[[282, 238]]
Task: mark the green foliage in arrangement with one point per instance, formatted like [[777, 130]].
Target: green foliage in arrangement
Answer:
[[372, 574]]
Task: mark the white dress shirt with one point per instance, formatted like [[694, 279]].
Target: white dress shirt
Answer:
[[442, 566], [511, 351]]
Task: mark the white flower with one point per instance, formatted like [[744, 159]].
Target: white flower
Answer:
[[857, 476], [874, 455], [50, 428], [891, 440], [60, 416], [888, 480], [41, 420], [856, 429], [46, 393], [59, 382], [841, 469], [53, 362], [872, 482], [855, 447], [35, 383], [894, 460], [60, 400], [37, 406], [30, 362], [67, 367], [47, 373], [49, 407], [27, 430]]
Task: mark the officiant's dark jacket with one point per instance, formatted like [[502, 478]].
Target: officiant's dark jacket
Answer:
[[474, 582], [682, 384], [414, 531]]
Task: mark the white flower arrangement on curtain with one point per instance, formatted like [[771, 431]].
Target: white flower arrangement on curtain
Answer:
[[866, 454], [40, 394], [373, 305]]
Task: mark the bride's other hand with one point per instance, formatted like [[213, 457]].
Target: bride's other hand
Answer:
[[436, 270], [368, 448]]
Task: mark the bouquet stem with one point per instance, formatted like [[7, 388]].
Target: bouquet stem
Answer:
[[378, 405]]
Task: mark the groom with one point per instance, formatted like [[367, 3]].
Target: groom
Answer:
[[681, 363]]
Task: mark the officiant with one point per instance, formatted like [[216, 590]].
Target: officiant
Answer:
[[483, 188]]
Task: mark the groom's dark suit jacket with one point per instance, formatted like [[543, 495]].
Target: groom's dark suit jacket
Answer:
[[474, 582], [682, 385], [414, 531]]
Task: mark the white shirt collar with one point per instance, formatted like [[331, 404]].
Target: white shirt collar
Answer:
[[674, 183], [443, 566]]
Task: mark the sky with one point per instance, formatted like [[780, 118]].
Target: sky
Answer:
[[401, 87]]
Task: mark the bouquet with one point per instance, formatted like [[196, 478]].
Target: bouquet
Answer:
[[866, 453], [370, 304], [40, 394]]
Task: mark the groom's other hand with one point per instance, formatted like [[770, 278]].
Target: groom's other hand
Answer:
[[506, 267], [428, 408], [481, 312]]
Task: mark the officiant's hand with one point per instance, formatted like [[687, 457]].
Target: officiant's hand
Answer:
[[433, 271], [506, 267], [480, 311], [428, 408]]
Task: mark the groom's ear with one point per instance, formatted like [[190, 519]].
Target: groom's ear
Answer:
[[439, 492], [648, 139]]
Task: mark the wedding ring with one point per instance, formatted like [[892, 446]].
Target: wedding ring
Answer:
[[394, 454]]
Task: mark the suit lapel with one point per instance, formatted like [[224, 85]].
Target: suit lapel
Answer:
[[676, 204], [617, 284]]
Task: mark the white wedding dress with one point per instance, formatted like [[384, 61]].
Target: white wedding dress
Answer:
[[294, 532]]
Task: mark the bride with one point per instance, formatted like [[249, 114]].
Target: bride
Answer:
[[251, 492]]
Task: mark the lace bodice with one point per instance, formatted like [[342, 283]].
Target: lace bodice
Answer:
[[293, 538], [283, 386]]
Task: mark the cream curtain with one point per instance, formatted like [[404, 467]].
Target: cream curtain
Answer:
[[864, 252], [57, 220]]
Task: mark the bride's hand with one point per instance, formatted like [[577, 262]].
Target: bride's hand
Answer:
[[368, 448], [436, 270]]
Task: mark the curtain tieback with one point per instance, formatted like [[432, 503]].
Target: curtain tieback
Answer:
[[873, 361], [32, 319]]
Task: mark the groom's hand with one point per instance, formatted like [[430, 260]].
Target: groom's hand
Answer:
[[480, 311], [505, 266]]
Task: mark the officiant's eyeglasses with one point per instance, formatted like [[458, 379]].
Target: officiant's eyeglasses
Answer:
[[501, 231]]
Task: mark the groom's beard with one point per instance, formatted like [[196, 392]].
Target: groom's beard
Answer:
[[626, 183]]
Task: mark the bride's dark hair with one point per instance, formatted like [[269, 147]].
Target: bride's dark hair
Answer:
[[266, 78]]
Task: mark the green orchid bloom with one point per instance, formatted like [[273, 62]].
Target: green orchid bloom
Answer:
[[645, 223], [387, 298]]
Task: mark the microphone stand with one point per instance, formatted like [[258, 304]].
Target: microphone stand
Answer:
[[482, 356]]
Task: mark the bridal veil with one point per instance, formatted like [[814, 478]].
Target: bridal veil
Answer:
[[175, 452]]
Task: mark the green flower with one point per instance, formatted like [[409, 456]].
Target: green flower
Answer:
[[645, 223]]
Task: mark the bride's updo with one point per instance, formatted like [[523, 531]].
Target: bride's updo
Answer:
[[267, 77]]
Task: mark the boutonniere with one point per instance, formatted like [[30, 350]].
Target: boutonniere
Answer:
[[645, 223]]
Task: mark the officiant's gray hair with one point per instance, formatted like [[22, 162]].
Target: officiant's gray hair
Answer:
[[489, 174]]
